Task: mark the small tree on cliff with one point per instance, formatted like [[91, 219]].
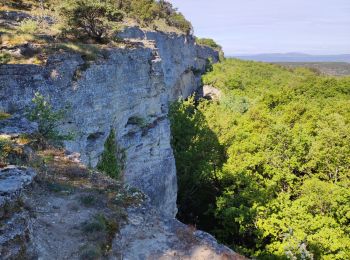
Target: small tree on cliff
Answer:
[[93, 18], [109, 162], [48, 120]]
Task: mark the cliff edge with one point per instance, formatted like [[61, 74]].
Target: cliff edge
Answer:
[[124, 89]]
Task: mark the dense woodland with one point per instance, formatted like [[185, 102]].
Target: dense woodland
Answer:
[[267, 167]]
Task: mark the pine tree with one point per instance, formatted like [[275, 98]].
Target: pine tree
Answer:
[[109, 162]]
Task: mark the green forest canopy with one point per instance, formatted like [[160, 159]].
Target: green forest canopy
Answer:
[[267, 168]]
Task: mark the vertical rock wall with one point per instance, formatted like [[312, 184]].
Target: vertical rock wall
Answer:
[[128, 90]]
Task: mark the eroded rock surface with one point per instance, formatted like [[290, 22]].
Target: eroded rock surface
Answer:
[[17, 125], [13, 179], [14, 219], [148, 236], [128, 90]]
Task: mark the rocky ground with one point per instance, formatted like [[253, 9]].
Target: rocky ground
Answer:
[[56, 208]]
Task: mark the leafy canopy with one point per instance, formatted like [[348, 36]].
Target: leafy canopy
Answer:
[[282, 188]]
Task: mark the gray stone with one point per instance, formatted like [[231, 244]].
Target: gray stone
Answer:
[[128, 83], [13, 179], [17, 125], [149, 236]]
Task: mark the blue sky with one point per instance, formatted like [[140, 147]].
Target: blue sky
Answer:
[[272, 26]]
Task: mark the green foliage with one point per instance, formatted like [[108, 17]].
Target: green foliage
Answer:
[[179, 21], [5, 148], [208, 42], [48, 120], [99, 223], [100, 230], [88, 200], [98, 20], [283, 191], [148, 11], [19, 4], [199, 156], [139, 121], [109, 161], [212, 44], [28, 26], [94, 19], [91, 252], [5, 58]]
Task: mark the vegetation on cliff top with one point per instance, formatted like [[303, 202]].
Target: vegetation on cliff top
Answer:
[[267, 167], [51, 23]]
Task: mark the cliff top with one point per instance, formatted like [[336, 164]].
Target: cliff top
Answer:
[[31, 30]]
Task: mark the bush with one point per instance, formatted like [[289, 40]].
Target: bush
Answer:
[[143, 10], [5, 58], [109, 162], [148, 11], [19, 4], [28, 26], [208, 42], [179, 21], [47, 119], [93, 19], [5, 148], [212, 44]]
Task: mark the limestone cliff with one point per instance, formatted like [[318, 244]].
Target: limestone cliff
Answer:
[[127, 89]]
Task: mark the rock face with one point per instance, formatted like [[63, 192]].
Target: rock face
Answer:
[[14, 220], [148, 236], [13, 180], [128, 90], [16, 125]]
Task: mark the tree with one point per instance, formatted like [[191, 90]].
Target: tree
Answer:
[[95, 19], [48, 120], [284, 188], [109, 162]]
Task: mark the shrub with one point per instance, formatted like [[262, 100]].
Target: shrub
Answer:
[[94, 19], [19, 4], [212, 44], [5, 58], [28, 26], [179, 21], [47, 119], [109, 162], [148, 11], [208, 42], [143, 10], [5, 148], [135, 120]]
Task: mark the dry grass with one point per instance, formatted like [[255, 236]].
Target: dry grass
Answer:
[[12, 40]]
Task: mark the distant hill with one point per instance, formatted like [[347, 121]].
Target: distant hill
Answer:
[[328, 68], [295, 57]]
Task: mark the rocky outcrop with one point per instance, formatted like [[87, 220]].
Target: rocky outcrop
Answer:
[[14, 219], [12, 180], [148, 236], [183, 61], [16, 126], [126, 89]]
